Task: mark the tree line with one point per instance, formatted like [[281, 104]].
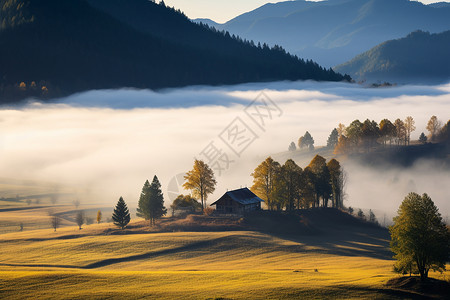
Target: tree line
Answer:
[[135, 44], [200, 180], [369, 135], [289, 187]]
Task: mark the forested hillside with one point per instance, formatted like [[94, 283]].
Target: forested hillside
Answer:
[[420, 57], [50, 48]]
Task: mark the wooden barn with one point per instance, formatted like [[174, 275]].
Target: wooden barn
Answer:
[[238, 202]]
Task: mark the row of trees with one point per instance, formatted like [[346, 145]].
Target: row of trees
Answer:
[[200, 180], [369, 134], [290, 187]]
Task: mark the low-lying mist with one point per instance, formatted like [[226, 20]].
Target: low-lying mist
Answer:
[[105, 144]]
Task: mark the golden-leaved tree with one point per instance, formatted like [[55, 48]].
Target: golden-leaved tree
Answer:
[[200, 180], [264, 181]]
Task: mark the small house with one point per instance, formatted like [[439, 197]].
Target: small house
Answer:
[[238, 202]]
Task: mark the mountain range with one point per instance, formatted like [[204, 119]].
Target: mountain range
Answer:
[[420, 57], [335, 31], [50, 48]]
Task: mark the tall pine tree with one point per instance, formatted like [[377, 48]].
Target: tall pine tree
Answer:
[[121, 214], [151, 202]]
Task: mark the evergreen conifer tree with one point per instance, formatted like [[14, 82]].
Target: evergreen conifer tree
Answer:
[[121, 214], [151, 202]]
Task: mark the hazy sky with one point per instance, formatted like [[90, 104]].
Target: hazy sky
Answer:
[[221, 10]]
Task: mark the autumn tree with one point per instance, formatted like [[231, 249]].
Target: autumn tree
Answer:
[[307, 189], [121, 214], [300, 143], [99, 217], [433, 127], [343, 145], [369, 133], [410, 127], [288, 184], [151, 202], [400, 131], [387, 131], [79, 219], [200, 180], [341, 129], [337, 183], [354, 133], [419, 237], [444, 133], [333, 139], [264, 179], [322, 185]]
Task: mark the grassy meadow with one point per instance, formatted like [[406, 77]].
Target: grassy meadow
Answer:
[[100, 261]]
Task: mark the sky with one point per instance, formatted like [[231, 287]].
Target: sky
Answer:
[[223, 10]]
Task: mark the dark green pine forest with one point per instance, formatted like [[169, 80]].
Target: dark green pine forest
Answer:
[[51, 48]]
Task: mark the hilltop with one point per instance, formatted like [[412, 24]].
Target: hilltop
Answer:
[[420, 57], [334, 31]]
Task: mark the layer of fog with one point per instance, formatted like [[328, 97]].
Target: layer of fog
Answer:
[[105, 144]]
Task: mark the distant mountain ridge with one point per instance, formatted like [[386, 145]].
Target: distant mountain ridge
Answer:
[[51, 48], [420, 57], [334, 31]]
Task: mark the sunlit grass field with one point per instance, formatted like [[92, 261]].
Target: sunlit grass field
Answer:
[[190, 265], [103, 262]]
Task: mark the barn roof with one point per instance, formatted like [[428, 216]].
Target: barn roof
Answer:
[[243, 196]]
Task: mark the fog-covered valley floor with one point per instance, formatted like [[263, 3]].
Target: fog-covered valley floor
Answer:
[[105, 144]]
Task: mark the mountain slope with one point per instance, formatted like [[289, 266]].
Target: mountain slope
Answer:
[[72, 45], [334, 31], [420, 57]]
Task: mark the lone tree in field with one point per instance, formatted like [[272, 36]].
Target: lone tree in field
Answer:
[[79, 219], [420, 239], [121, 214], [151, 202], [200, 180], [55, 221], [99, 217]]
